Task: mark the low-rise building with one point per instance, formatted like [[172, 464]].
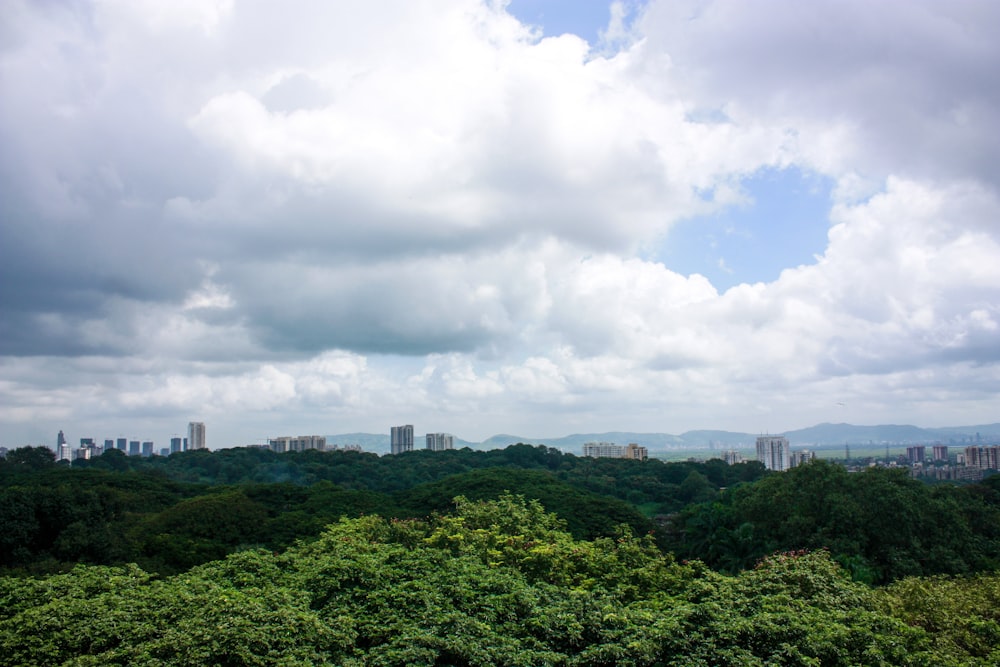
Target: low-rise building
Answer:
[[800, 457], [635, 452], [609, 450]]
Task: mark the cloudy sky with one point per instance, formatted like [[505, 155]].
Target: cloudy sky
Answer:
[[536, 217]]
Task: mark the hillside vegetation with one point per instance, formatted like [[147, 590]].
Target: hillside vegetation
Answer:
[[496, 582]]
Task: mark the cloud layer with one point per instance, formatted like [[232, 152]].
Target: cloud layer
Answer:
[[325, 217]]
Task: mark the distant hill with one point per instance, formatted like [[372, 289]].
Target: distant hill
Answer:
[[370, 442], [728, 439], [821, 434]]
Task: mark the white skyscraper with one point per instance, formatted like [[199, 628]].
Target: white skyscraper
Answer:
[[63, 450], [196, 435], [772, 451]]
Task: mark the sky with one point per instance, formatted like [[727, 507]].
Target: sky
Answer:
[[479, 217]]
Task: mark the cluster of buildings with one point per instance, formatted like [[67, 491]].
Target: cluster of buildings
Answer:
[[89, 448], [609, 450], [774, 452], [401, 440], [970, 464], [983, 458], [301, 443]]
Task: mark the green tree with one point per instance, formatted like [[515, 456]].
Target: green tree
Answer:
[[30, 458]]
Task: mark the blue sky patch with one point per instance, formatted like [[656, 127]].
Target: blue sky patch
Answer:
[[585, 18], [784, 224]]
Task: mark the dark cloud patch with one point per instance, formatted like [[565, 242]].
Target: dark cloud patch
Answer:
[[406, 308]]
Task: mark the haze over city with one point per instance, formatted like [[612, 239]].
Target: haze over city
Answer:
[[481, 217]]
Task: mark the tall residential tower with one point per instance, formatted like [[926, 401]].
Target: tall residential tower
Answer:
[[772, 451], [401, 439], [196, 435]]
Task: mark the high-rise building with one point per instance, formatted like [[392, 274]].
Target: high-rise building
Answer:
[[401, 439], [984, 458], [108, 445], [916, 454], [147, 448], [63, 451], [438, 442], [196, 436], [134, 448], [121, 444], [732, 457], [175, 445], [772, 451], [940, 453]]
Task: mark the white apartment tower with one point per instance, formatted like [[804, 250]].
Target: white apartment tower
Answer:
[[196, 435], [772, 451], [438, 442], [401, 439]]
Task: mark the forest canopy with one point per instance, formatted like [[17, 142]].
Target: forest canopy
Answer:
[[495, 582], [522, 556]]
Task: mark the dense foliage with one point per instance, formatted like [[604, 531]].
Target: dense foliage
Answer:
[[493, 583], [52, 516], [246, 557], [169, 514], [880, 524]]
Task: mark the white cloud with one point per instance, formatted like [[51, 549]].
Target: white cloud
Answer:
[[277, 215]]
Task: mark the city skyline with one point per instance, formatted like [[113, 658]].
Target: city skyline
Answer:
[[535, 217], [404, 438]]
